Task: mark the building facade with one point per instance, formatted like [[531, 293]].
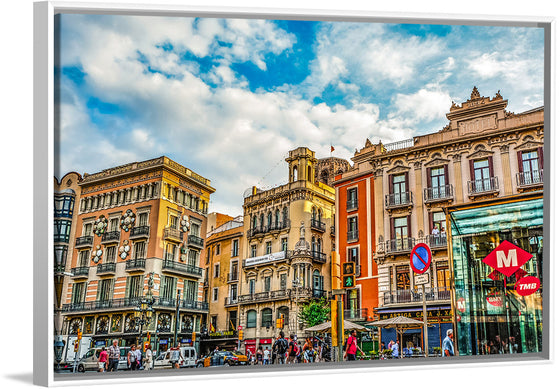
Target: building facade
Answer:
[[140, 235], [355, 238], [224, 247], [484, 156], [286, 251]]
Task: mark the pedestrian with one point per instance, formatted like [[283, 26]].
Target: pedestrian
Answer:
[[131, 358], [114, 354], [139, 356], [307, 350], [292, 350], [149, 357], [395, 349], [266, 356], [249, 356], [259, 355], [351, 346], [279, 349], [447, 345], [102, 359]]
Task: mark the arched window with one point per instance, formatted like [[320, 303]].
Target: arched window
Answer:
[[319, 214], [254, 222], [295, 174], [262, 220], [285, 217], [313, 245], [313, 213], [266, 317], [251, 318], [277, 218], [269, 219]]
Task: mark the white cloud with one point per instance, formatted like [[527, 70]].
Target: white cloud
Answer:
[[424, 105]]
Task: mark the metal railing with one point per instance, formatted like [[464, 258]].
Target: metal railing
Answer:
[[82, 271], [319, 256], [230, 301], [355, 314], [233, 277], [438, 193], [136, 264], [269, 228], [84, 241], [415, 296], [111, 236], [318, 225], [534, 177], [353, 235], [435, 241], [181, 268], [402, 144], [395, 200], [196, 241], [132, 302], [483, 185], [351, 204], [399, 245], [172, 233], [140, 231], [106, 268]]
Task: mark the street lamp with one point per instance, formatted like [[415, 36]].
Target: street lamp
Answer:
[[297, 284], [58, 347], [143, 314]]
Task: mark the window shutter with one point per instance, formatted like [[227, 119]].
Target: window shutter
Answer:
[[491, 165], [520, 161], [127, 291], [540, 153], [406, 182], [409, 232], [471, 165], [391, 184], [431, 223], [446, 174], [429, 176], [392, 228]]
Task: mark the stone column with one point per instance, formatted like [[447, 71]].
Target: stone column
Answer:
[[506, 170]]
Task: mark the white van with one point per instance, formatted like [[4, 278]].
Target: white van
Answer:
[[90, 360], [183, 356]]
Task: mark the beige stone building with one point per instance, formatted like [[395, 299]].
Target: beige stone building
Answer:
[[484, 155], [288, 241]]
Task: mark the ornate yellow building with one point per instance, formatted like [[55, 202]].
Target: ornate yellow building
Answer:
[[140, 233]]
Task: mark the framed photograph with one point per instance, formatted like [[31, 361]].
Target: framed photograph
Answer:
[[256, 193]]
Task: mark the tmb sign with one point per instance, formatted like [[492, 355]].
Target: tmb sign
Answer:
[[507, 258]]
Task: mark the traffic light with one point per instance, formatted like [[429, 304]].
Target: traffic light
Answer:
[[76, 345], [240, 335], [79, 335], [348, 268], [148, 337], [193, 337], [282, 320], [335, 270], [348, 281]]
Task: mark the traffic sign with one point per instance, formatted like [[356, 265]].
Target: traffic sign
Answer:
[[422, 279], [420, 258], [239, 328], [507, 258], [348, 268]]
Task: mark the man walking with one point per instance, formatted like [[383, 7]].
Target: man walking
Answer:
[[292, 349], [351, 346], [447, 345], [279, 348], [113, 354], [395, 349]]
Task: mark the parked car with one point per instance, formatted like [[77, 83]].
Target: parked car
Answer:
[[90, 360], [222, 358], [181, 356]]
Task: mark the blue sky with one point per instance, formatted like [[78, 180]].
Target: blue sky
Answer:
[[229, 98]]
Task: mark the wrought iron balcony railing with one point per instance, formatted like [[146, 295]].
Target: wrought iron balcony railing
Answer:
[[140, 232], [135, 264], [399, 245], [195, 241], [353, 235], [318, 225], [80, 272], [84, 241], [111, 236], [415, 296], [352, 204], [319, 257], [483, 185], [181, 268], [132, 302], [438, 193], [436, 241], [172, 234], [106, 268], [396, 200], [534, 177]]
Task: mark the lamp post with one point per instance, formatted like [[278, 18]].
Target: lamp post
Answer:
[[144, 311], [58, 347]]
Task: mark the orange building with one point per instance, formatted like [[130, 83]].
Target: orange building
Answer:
[[355, 223], [140, 233]]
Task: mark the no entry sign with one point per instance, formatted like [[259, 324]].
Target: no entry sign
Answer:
[[420, 258]]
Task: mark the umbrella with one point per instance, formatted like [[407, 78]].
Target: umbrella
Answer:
[[400, 324], [326, 326]]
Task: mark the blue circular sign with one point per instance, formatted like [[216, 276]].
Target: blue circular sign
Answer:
[[420, 258]]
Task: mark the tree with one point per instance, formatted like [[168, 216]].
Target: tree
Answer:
[[315, 312]]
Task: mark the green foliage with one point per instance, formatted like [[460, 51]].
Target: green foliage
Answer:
[[315, 312]]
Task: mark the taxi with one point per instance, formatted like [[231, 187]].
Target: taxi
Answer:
[[222, 358]]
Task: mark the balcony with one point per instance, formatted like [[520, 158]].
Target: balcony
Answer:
[[231, 277], [173, 234], [353, 235], [405, 296], [195, 241], [106, 269], [436, 241], [229, 301], [318, 225], [138, 264], [355, 314], [140, 232], [111, 237], [181, 269], [402, 245], [398, 200], [84, 241], [264, 296], [351, 204], [319, 257], [483, 186], [262, 230], [438, 193], [318, 293], [530, 178], [131, 303], [80, 272]]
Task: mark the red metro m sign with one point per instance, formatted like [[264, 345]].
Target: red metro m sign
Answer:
[[507, 258]]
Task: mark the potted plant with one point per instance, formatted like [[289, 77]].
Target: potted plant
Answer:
[[437, 351]]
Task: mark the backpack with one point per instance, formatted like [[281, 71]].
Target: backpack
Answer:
[[282, 346], [297, 349]]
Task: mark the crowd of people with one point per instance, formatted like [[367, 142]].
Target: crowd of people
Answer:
[[109, 358]]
